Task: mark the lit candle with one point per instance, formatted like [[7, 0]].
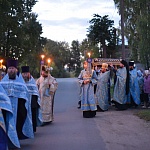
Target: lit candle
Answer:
[[42, 56], [1, 61], [49, 62], [89, 54]]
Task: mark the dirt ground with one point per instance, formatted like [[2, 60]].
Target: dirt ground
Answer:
[[123, 130]]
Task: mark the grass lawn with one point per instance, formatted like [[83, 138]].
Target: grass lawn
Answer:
[[144, 114]]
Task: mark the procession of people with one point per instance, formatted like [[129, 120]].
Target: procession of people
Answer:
[[131, 87], [25, 104]]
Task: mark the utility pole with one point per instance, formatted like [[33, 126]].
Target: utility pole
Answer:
[[122, 27]]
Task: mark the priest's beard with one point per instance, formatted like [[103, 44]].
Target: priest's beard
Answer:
[[131, 69], [45, 75], [103, 71], [26, 79], [12, 75]]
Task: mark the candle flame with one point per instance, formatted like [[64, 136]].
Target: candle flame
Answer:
[[42, 56], [49, 60], [89, 54]]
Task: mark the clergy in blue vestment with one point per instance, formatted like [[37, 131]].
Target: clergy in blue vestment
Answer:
[[7, 128], [134, 94], [34, 96], [102, 93], [121, 87], [87, 80], [17, 91]]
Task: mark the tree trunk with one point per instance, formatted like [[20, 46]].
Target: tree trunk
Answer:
[[104, 50]]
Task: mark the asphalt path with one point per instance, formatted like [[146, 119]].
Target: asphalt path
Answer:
[[69, 131]]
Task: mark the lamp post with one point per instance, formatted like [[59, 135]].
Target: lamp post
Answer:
[[42, 63]]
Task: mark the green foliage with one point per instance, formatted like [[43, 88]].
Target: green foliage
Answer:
[[102, 31], [59, 53], [88, 46], [137, 28], [62, 55], [75, 60], [20, 33]]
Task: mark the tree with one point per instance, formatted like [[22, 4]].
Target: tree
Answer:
[[88, 46], [14, 16], [100, 31], [59, 53], [75, 61], [20, 32], [137, 28]]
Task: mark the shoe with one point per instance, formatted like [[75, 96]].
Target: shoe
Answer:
[[79, 104], [144, 107], [79, 107], [43, 124]]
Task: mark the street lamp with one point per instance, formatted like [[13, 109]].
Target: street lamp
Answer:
[[75, 66]]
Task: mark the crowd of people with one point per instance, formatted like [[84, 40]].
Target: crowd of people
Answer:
[[25, 103], [131, 87]]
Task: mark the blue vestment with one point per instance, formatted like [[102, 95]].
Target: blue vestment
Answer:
[[33, 90], [134, 87], [8, 125], [120, 86], [102, 90], [87, 91], [17, 89]]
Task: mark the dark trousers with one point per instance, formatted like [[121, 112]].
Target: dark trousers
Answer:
[[3, 139], [34, 109], [89, 114], [21, 117]]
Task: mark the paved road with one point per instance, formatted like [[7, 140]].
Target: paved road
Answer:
[[69, 131], [110, 130]]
